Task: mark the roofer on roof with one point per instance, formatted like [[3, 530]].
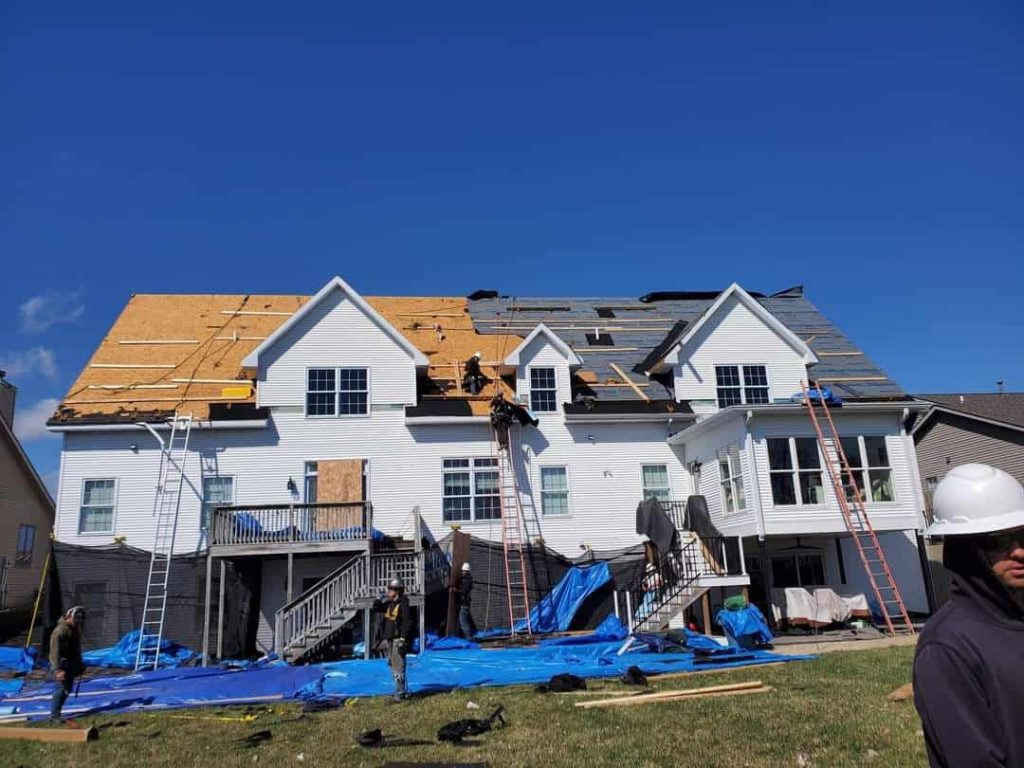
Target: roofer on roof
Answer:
[[66, 658], [968, 676], [474, 380]]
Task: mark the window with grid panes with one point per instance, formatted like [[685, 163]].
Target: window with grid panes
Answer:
[[543, 390], [870, 470], [337, 392], [741, 384], [654, 479], [217, 492], [554, 491], [470, 490], [96, 512], [734, 497]]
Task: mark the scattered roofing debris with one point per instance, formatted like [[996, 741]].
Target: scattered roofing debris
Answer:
[[167, 352]]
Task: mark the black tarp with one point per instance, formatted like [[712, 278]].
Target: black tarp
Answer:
[[110, 581], [698, 518], [652, 522]]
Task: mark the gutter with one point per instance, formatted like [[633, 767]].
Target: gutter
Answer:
[[750, 411], [128, 426], [625, 418]]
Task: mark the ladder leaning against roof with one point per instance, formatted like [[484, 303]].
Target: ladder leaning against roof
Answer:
[[173, 454], [851, 502], [513, 541]]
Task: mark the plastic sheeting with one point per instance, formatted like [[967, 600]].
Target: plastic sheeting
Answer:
[[433, 673], [122, 655], [748, 623], [610, 629], [17, 659]]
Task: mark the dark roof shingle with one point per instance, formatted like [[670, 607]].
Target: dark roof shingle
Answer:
[[1007, 407]]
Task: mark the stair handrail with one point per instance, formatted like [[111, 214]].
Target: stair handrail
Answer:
[[675, 572], [336, 591]]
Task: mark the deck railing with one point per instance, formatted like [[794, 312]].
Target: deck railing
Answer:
[[722, 555], [291, 523]]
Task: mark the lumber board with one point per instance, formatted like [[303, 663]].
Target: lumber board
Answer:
[[66, 735], [603, 350], [158, 341], [632, 384], [712, 671], [738, 689], [902, 693]]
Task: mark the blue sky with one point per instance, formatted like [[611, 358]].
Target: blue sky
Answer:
[[870, 152]]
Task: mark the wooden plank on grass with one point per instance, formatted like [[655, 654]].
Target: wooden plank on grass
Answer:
[[733, 688], [67, 735], [902, 693]]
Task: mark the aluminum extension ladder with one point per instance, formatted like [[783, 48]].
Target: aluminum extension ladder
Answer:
[[173, 454], [851, 502], [513, 542]]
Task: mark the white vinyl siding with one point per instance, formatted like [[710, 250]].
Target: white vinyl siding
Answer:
[[470, 490], [655, 483], [554, 491], [99, 501], [217, 492]]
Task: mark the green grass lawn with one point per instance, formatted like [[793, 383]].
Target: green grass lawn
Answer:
[[828, 712]]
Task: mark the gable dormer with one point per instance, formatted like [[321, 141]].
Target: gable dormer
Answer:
[[543, 364], [335, 357], [737, 353]]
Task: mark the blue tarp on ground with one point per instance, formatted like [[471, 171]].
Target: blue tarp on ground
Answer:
[[17, 659], [433, 673], [122, 655], [430, 672], [748, 622], [610, 629], [9, 687]]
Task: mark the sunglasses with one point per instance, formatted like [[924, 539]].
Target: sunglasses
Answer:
[[1004, 542]]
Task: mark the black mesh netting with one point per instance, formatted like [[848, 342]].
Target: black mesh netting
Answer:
[[110, 581]]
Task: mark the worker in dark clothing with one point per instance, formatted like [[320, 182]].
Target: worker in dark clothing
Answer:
[[503, 413], [66, 658], [465, 593], [396, 633], [968, 677], [473, 380]]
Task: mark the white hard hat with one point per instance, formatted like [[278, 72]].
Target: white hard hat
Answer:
[[976, 498], [465, 566], [477, 354]]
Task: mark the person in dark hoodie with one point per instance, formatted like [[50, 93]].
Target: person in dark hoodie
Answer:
[[968, 675], [396, 633], [66, 658], [465, 595]]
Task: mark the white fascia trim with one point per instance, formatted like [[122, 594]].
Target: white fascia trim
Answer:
[[672, 356], [127, 427], [437, 421], [789, 408], [625, 418], [932, 409], [564, 349], [252, 359]]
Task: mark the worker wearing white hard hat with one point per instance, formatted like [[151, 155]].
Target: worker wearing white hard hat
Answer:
[[464, 592], [968, 676]]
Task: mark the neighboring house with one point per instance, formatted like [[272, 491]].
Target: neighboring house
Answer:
[[338, 398], [26, 514], [986, 427]]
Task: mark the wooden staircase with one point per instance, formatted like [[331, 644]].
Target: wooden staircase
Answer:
[[664, 592]]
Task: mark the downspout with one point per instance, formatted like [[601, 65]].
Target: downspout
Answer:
[[752, 463]]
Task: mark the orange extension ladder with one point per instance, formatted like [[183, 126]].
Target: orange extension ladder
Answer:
[[513, 541], [851, 502]]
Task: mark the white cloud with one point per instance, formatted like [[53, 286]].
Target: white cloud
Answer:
[[30, 423], [37, 360], [40, 313]]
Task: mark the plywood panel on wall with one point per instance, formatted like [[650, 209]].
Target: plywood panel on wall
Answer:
[[339, 481]]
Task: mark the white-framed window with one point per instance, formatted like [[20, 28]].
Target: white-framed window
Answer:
[[654, 482], [554, 491], [734, 494], [96, 511], [543, 390], [26, 544], [218, 491], [794, 466], [869, 464], [470, 490], [337, 391], [309, 485], [741, 385], [798, 568]]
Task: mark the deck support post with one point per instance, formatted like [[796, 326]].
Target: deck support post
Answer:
[[367, 640], [705, 606], [220, 609], [288, 580], [206, 609]]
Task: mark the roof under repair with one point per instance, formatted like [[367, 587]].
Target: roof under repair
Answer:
[[165, 352]]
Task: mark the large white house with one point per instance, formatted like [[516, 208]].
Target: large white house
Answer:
[[337, 398]]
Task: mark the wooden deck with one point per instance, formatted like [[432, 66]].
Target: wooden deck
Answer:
[[243, 531]]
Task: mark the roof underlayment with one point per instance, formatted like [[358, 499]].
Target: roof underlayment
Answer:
[[186, 352]]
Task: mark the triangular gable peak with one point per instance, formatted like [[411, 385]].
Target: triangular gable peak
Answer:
[[757, 309], [336, 284], [563, 349]]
